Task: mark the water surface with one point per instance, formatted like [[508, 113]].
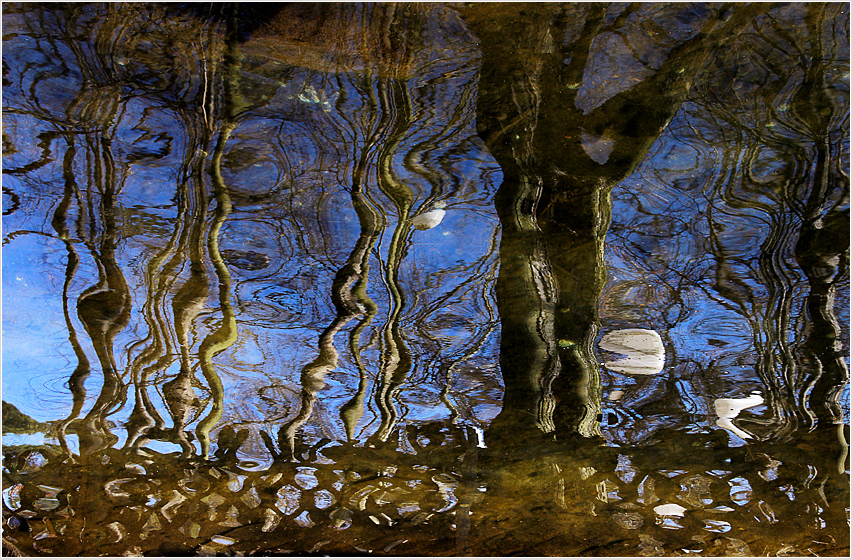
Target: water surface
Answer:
[[432, 279]]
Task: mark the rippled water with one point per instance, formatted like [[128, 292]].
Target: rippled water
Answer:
[[482, 279]]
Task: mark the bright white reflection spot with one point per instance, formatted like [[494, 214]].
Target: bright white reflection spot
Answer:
[[668, 523], [12, 496], [303, 520], [430, 219], [323, 499], [717, 526], [642, 349], [741, 491], [673, 510], [481, 439], [728, 409], [305, 478]]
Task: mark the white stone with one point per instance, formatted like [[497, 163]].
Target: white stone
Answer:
[[728, 409], [642, 350], [673, 510], [431, 218]]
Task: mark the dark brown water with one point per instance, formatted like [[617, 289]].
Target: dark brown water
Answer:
[[463, 279]]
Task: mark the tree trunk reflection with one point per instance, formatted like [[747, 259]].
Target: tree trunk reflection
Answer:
[[560, 163]]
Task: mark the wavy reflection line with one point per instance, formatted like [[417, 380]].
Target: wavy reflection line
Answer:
[[156, 352], [350, 300], [809, 194], [484, 268], [160, 277], [823, 244], [371, 223], [77, 379], [226, 334], [189, 300], [104, 308], [474, 282], [178, 394], [352, 411], [187, 303], [420, 158], [396, 362]]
